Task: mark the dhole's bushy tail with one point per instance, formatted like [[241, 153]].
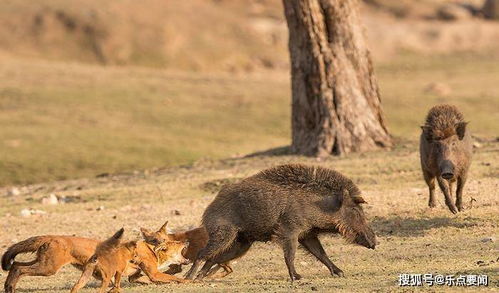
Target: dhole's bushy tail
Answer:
[[29, 245]]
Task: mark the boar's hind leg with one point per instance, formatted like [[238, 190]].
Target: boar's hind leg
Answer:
[[205, 269], [459, 192], [430, 181], [237, 250], [219, 240], [190, 274], [446, 190], [313, 245]]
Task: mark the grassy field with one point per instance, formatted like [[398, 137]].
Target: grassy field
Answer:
[[68, 120], [137, 144], [413, 238]]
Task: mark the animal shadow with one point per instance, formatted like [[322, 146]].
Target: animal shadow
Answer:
[[415, 227]]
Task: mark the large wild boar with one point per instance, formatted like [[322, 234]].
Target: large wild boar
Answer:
[[445, 151], [291, 204]]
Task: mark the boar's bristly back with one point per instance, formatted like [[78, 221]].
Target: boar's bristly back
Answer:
[[318, 179]]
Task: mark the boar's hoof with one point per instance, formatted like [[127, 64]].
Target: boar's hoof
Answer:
[[339, 273], [453, 209], [295, 277]]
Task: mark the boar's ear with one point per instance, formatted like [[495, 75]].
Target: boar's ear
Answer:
[[163, 228], [342, 197], [461, 129], [358, 199], [426, 132]]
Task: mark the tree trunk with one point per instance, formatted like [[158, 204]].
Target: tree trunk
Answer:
[[336, 107]]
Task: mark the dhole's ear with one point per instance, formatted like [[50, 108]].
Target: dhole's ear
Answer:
[[163, 228], [461, 129], [132, 245], [145, 232], [118, 235]]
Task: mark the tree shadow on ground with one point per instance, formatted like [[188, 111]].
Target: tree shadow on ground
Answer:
[[273, 152], [415, 227]]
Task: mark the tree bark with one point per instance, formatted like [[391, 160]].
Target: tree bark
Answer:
[[336, 106]]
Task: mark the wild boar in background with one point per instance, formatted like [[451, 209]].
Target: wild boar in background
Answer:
[[445, 151]]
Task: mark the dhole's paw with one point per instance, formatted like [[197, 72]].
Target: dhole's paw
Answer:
[[114, 290]]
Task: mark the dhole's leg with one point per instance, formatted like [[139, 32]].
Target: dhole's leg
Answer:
[[289, 244], [430, 181], [227, 271], [151, 270], [135, 277], [85, 277], [220, 239], [105, 283], [173, 269], [117, 283], [445, 189], [14, 275], [461, 180], [47, 263], [313, 245]]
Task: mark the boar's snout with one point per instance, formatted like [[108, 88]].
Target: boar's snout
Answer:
[[367, 239], [447, 170]]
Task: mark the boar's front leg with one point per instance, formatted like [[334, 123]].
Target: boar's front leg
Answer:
[[313, 245], [430, 181], [445, 186], [459, 192], [289, 244]]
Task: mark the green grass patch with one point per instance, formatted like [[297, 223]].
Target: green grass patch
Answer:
[[60, 121]]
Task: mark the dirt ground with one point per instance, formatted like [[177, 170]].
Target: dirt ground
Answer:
[[413, 238]]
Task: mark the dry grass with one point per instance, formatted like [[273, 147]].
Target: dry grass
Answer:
[[413, 238], [69, 120]]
